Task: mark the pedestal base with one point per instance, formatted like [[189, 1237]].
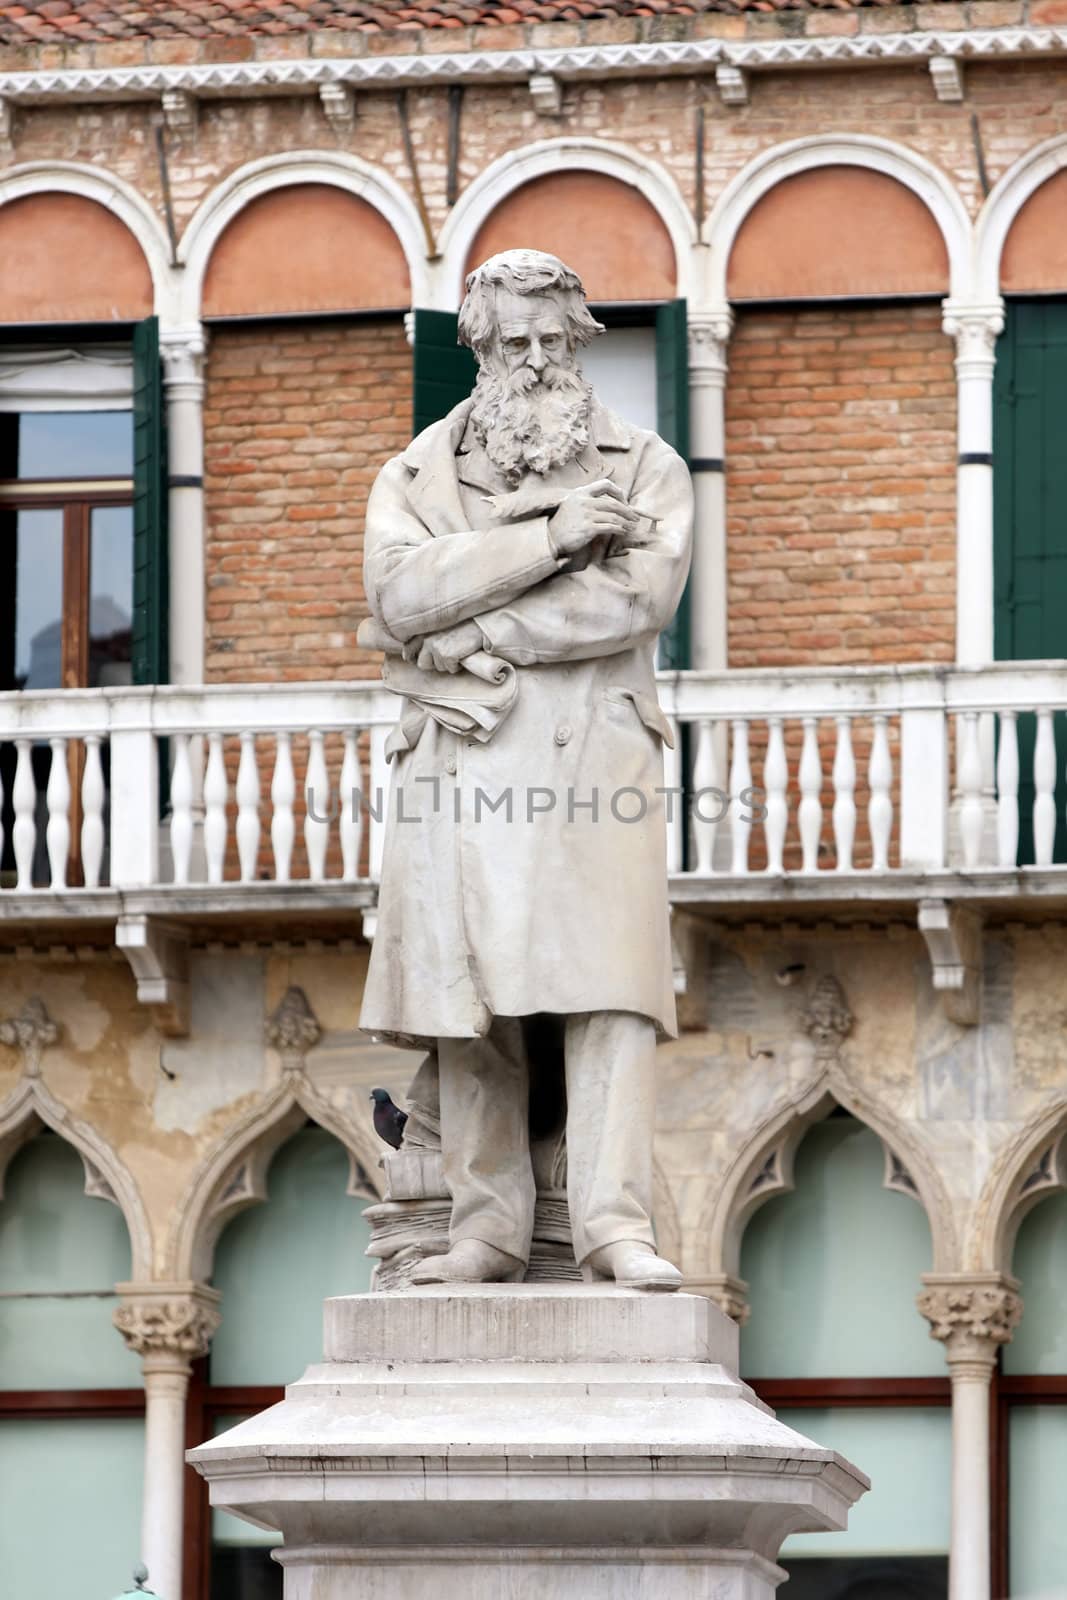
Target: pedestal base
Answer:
[[527, 1443]]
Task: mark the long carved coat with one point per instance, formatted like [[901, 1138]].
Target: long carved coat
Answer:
[[560, 909]]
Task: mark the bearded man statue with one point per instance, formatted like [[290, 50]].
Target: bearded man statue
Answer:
[[522, 557]]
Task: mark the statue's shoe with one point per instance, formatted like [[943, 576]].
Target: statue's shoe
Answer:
[[470, 1261], [633, 1266]]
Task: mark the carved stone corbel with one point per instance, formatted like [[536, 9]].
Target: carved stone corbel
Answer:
[[730, 1294], [946, 74], [180, 111], [827, 1020], [158, 954], [547, 95], [953, 936], [338, 101], [30, 1033], [7, 124], [293, 1029], [732, 83]]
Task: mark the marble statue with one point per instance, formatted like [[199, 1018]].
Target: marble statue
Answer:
[[522, 556]]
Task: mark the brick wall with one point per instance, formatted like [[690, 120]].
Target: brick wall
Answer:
[[298, 419], [840, 449]]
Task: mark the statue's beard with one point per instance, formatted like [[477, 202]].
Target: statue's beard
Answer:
[[531, 425]]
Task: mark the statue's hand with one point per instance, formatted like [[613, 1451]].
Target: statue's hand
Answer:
[[446, 651], [596, 510]]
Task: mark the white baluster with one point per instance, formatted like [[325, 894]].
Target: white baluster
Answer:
[[1044, 787], [1008, 791], [1, 816], [674, 799], [707, 802], [970, 782], [92, 813], [282, 793], [740, 809], [351, 803], [809, 815], [316, 807], [215, 809], [248, 807], [880, 804], [181, 809], [844, 812], [378, 800], [24, 799], [57, 831], [775, 779]]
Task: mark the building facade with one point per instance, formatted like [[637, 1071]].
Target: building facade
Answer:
[[828, 244]]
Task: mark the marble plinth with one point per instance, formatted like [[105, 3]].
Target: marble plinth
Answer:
[[527, 1442]]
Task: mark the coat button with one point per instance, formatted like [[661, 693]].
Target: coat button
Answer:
[[450, 765], [563, 733]]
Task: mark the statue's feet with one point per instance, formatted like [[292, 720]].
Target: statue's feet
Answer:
[[470, 1261], [633, 1266]]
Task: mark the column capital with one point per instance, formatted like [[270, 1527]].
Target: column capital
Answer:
[[975, 329], [730, 1294], [182, 351], [971, 1313], [709, 336], [168, 1323]]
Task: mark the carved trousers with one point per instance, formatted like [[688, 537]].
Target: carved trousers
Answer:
[[610, 1063]]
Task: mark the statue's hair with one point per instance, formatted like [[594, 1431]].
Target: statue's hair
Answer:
[[523, 272]]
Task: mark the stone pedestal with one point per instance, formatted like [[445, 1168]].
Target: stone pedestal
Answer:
[[528, 1442]]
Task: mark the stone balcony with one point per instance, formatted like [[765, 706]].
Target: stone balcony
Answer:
[[156, 818]]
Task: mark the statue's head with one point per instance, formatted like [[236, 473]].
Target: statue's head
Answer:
[[525, 318]]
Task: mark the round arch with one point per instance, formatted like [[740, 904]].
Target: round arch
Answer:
[[116, 196], [549, 157], [235, 1175], [769, 168], [1003, 204], [255, 179], [763, 1167], [31, 1108]]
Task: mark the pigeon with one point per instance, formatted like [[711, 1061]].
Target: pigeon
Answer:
[[389, 1120]]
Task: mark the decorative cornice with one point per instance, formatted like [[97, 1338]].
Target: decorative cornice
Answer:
[[228, 79], [30, 1033], [176, 1320], [971, 1314]]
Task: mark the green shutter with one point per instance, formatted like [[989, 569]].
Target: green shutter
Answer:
[[1029, 523], [672, 421], [444, 369], [149, 508]]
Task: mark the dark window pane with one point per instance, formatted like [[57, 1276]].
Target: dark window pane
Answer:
[[31, 598], [244, 1573], [67, 444], [110, 595], [867, 1578]]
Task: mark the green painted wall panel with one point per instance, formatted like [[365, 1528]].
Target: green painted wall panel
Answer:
[[276, 1263], [444, 370], [61, 1254], [1037, 1456], [70, 1508], [1040, 1263], [833, 1269]]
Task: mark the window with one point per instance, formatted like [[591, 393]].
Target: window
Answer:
[[836, 1345], [71, 1428], [310, 1235]]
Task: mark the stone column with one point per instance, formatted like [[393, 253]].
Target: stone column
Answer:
[[972, 1314], [168, 1325], [975, 330], [182, 352], [709, 334]]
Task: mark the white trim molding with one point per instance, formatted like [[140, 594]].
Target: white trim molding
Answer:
[[335, 168], [118, 197], [1003, 204], [770, 167], [678, 57], [549, 156]]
